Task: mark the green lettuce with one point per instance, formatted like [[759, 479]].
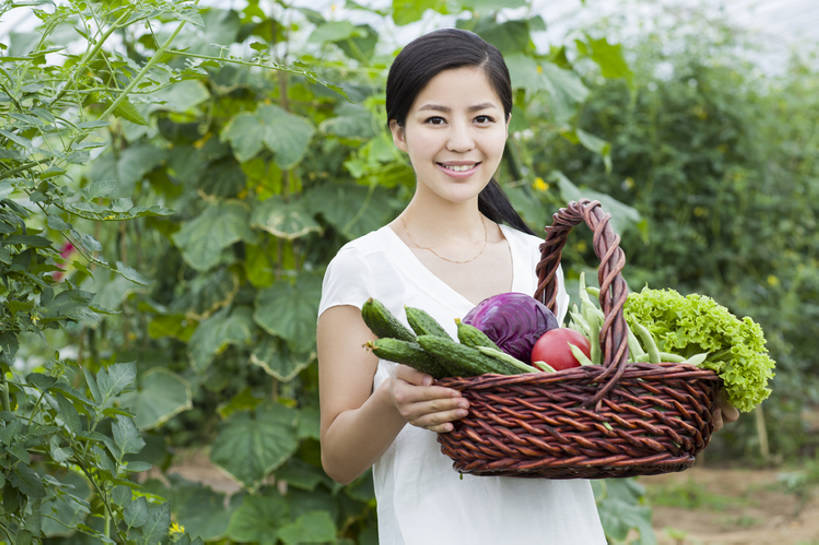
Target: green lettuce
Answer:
[[695, 323]]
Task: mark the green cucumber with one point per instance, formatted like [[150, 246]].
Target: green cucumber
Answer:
[[472, 336], [407, 352], [463, 360], [382, 322], [424, 324], [508, 359]]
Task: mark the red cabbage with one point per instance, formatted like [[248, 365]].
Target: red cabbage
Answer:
[[514, 321]]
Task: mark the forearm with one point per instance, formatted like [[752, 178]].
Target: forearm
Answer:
[[357, 437]]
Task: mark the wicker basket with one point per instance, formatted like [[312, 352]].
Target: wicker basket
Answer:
[[595, 421]]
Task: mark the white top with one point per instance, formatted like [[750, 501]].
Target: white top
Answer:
[[421, 499]]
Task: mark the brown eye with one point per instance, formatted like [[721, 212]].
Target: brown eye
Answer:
[[435, 120], [484, 119]]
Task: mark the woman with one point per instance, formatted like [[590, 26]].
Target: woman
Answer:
[[458, 241]]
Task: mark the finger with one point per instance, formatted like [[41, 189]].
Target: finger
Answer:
[[730, 413], [438, 421], [434, 411], [716, 419], [413, 376]]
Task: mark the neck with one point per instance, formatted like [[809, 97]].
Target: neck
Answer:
[[436, 219]]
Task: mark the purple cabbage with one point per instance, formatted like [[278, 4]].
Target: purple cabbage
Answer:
[[514, 321]]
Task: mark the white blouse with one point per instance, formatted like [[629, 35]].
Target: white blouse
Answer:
[[421, 499]]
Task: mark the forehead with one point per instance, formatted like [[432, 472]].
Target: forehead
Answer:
[[458, 87]]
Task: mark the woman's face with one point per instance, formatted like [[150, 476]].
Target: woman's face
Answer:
[[454, 134]]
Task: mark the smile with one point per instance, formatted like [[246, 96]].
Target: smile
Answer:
[[460, 168]]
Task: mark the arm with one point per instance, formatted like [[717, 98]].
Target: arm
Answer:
[[357, 423]]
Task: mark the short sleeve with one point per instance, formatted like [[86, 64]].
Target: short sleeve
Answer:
[[346, 281]]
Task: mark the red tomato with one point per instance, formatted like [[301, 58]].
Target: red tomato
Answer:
[[553, 348]]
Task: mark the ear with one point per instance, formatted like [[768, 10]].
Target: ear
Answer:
[[399, 135], [508, 119]]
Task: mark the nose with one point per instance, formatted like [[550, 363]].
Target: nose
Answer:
[[460, 138]]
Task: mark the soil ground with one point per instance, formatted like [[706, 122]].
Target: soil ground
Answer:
[[704, 506]]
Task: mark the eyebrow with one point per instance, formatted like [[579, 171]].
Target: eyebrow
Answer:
[[447, 109]]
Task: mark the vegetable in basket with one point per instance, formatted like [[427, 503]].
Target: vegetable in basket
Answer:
[[514, 321], [555, 348], [694, 324]]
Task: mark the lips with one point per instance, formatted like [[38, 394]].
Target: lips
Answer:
[[459, 167]]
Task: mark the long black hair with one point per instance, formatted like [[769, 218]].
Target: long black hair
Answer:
[[424, 58]]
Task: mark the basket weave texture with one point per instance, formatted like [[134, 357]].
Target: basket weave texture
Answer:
[[617, 419]]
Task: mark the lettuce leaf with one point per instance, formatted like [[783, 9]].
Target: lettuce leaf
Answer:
[[695, 323]]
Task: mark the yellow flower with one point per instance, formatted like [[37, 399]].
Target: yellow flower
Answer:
[[176, 528], [109, 217], [628, 183], [700, 211], [540, 185], [773, 281], [539, 69]]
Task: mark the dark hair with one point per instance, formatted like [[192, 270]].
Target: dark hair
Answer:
[[423, 59]]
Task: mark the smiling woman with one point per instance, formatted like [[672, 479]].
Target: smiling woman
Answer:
[[457, 242]]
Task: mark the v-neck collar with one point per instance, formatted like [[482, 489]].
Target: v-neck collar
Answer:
[[424, 276]]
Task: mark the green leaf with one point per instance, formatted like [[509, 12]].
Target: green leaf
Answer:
[[509, 36], [622, 215], [202, 239], [312, 527], [162, 395], [180, 97], [597, 145], [621, 506], [409, 11], [222, 178], [244, 132], [200, 510], [251, 445], [126, 110], [332, 31], [258, 519], [287, 135], [300, 474], [156, 528], [135, 513], [350, 121], [69, 304], [287, 220], [289, 311], [352, 209], [277, 360], [609, 57], [126, 436], [217, 332], [113, 380]]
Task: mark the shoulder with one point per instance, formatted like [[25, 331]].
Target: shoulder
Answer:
[[360, 250]]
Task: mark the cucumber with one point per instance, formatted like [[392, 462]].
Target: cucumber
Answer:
[[382, 322], [508, 359], [461, 360], [424, 324], [407, 352], [472, 336]]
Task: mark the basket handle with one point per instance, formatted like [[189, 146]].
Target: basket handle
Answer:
[[613, 288]]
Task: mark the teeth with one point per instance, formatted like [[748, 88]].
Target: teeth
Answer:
[[459, 168]]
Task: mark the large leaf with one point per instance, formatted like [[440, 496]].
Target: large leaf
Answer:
[[352, 209], [312, 527], [200, 510], [289, 310], [251, 445], [277, 360], [162, 395], [217, 332], [202, 239], [622, 215], [116, 177], [609, 57], [258, 519], [409, 11], [285, 134], [288, 220], [180, 97]]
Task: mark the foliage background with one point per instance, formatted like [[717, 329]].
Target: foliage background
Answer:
[[172, 188]]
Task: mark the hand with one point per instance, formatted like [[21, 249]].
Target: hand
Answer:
[[424, 405], [724, 412]]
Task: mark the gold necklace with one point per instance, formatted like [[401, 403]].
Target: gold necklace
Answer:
[[458, 261]]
